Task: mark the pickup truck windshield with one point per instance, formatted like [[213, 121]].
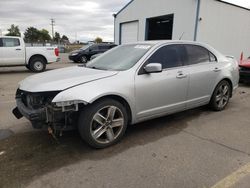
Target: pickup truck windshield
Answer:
[[120, 58]]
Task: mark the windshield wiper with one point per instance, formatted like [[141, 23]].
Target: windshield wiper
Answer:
[[93, 67]]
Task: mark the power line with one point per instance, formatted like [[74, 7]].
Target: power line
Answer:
[[52, 26]]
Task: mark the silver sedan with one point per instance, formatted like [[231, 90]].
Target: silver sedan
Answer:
[[126, 85]]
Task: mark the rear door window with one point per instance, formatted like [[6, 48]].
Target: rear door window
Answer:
[[1, 43], [197, 54], [94, 48], [212, 57], [169, 56], [10, 42], [103, 47]]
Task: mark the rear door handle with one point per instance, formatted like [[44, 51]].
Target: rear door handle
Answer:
[[216, 69], [181, 75], [18, 49]]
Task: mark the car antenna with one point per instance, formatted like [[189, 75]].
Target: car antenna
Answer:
[[181, 35]]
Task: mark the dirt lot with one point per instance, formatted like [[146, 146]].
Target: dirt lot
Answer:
[[196, 148]]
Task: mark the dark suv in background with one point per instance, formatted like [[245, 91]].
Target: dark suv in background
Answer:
[[84, 54]]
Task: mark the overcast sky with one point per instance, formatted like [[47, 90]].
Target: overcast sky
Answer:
[[84, 19]]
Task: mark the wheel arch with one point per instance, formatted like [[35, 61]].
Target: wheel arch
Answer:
[[229, 81], [120, 99], [38, 55]]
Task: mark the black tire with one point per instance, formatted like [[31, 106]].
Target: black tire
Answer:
[[83, 59], [75, 61], [37, 64], [221, 96], [86, 123], [27, 66]]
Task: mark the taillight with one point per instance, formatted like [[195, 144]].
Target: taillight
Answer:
[[56, 51]]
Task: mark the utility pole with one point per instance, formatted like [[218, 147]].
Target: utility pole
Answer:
[[52, 25]]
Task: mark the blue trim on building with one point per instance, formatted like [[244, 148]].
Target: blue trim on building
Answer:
[[197, 19], [124, 7]]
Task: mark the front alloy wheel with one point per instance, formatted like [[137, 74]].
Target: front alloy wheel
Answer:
[[103, 123], [107, 124]]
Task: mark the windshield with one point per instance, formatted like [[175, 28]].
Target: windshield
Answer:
[[120, 58], [85, 47]]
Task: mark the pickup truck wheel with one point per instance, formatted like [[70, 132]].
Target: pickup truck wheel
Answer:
[[27, 66], [37, 64], [221, 96], [103, 123], [83, 59]]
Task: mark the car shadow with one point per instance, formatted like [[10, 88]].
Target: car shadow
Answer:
[[29, 155], [9, 71]]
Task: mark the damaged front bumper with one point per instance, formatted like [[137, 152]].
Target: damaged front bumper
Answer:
[[42, 114]]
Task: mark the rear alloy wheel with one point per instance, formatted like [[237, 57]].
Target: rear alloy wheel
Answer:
[[103, 123], [37, 64], [221, 96], [83, 59]]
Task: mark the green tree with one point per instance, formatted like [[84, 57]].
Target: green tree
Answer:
[[65, 38], [57, 37], [13, 31], [44, 35], [31, 34], [98, 40]]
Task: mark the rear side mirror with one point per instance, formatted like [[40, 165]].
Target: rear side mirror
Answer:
[[153, 68]]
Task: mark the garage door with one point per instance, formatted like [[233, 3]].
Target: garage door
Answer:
[[129, 32]]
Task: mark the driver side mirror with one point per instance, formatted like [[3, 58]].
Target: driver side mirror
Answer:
[[153, 68]]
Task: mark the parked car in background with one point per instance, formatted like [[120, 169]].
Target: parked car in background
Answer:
[[13, 52], [85, 53], [245, 70], [95, 56], [126, 85]]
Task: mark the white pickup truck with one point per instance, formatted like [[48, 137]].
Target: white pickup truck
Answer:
[[13, 52]]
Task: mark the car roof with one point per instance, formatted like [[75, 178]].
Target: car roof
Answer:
[[160, 42], [104, 44], [10, 37]]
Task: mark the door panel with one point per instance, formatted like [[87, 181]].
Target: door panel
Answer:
[[161, 93], [11, 52], [202, 80], [203, 75]]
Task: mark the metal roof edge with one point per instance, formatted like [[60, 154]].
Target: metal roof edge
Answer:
[[123, 8]]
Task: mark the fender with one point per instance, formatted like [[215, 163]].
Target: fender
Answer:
[[90, 92]]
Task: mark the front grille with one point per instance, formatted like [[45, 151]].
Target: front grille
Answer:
[[36, 100]]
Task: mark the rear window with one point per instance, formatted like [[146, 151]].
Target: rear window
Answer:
[[10, 42], [104, 47], [197, 54]]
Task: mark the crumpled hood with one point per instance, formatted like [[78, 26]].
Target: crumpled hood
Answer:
[[61, 79]]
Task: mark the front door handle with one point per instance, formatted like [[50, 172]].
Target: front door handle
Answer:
[[18, 49], [181, 75], [216, 69]]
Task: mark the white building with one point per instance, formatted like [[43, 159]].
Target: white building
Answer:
[[223, 25]]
